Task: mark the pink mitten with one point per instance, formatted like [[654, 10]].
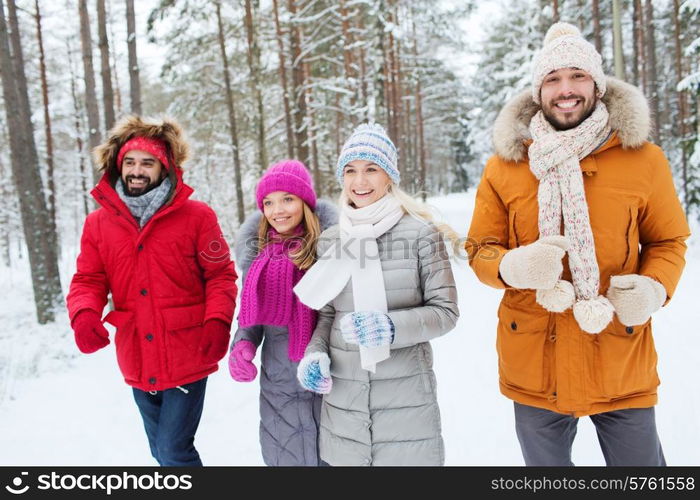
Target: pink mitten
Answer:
[[240, 361]]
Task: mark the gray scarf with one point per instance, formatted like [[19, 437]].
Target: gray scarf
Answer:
[[145, 206]]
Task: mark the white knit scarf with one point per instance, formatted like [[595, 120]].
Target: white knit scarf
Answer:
[[554, 160], [355, 257]]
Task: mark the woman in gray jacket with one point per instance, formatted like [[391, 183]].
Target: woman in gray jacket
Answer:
[[273, 249], [384, 287]]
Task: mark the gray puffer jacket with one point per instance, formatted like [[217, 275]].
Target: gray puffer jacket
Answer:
[[390, 417], [289, 415]]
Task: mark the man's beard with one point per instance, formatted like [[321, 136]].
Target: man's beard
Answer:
[[129, 191], [568, 125]]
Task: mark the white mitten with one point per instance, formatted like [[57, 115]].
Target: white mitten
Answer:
[[557, 299], [314, 373], [537, 265], [635, 298]]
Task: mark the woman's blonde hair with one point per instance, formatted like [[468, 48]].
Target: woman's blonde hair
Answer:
[[418, 210], [305, 256]]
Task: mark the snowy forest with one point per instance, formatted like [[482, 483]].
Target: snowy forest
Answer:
[[255, 81]]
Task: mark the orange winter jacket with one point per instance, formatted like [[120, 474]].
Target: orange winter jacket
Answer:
[[545, 359]]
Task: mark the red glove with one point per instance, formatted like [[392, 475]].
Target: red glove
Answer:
[[90, 335], [215, 342]]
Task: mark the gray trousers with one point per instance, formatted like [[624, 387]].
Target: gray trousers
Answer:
[[627, 437]]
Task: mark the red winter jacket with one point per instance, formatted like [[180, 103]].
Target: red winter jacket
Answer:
[[166, 280]]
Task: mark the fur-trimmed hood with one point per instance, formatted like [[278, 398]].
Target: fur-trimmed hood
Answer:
[[627, 106], [166, 129], [246, 251]]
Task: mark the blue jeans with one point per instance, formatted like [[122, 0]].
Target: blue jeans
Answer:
[[171, 418]]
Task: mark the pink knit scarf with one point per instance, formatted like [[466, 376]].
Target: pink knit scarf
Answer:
[[267, 297]]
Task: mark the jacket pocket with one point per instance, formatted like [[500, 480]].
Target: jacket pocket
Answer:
[[127, 344], [627, 360], [186, 263], [521, 343], [512, 234], [632, 239], [170, 266], [183, 336], [425, 359]]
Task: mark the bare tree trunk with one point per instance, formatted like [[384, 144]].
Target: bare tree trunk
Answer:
[[596, 27], [93, 111], [113, 58], [40, 236], [697, 113], [232, 120], [682, 101], [255, 80], [405, 72], [617, 40], [22, 94], [555, 9], [107, 92], [637, 41], [364, 95], [348, 59], [397, 81], [283, 82], [384, 80], [135, 84], [652, 76], [47, 119], [338, 133], [419, 121], [580, 4], [408, 152], [78, 132], [5, 195], [312, 131], [393, 84], [300, 113]]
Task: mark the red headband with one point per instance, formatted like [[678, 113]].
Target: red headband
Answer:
[[148, 144]]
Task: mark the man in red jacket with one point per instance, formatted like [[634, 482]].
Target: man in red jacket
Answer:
[[164, 260]]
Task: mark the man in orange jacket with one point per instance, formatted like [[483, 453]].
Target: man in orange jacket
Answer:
[[577, 218]]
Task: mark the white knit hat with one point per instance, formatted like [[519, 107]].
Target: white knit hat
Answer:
[[564, 47]]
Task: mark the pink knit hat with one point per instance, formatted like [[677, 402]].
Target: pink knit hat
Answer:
[[290, 176]]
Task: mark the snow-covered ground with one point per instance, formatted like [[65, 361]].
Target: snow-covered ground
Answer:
[[58, 407]]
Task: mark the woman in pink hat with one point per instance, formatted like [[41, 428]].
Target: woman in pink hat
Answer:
[[274, 248]]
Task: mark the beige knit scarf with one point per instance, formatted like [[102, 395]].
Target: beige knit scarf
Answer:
[[554, 160]]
